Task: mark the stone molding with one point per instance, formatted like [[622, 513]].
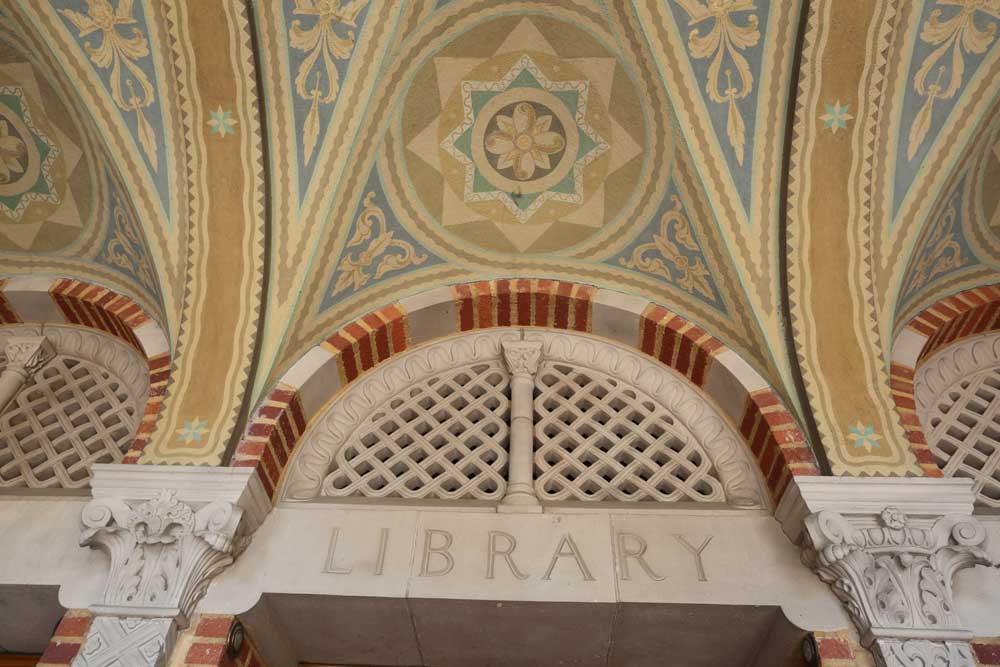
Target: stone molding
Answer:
[[889, 550], [952, 364], [168, 531], [868, 496], [104, 350], [333, 428]]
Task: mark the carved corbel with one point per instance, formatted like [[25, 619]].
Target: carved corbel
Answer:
[[894, 575], [26, 355], [164, 549]]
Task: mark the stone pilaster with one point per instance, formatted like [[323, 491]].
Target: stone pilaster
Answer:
[[167, 531], [889, 550]]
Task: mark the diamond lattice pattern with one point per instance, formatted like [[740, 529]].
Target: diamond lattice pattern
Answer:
[[965, 433], [599, 439], [72, 414], [444, 437]]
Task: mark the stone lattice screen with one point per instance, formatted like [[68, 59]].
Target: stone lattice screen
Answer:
[[957, 395], [445, 437], [81, 408], [608, 424], [598, 438]]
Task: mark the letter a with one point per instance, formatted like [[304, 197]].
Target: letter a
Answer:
[[574, 552]]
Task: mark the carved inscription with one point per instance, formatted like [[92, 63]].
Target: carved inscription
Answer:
[[506, 551], [446, 560], [631, 546], [696, 552], [632, 556]]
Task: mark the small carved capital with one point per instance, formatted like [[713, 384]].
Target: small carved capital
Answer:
[[522, 357], [894, 575], [28, 355]]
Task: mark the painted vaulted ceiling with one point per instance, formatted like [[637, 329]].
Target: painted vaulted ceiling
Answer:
[[797, 178]]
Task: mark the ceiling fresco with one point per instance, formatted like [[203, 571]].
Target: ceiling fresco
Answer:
[[535, 139], [796, 179], [959, 247], [61, 198], [917, 99], [942, 60]]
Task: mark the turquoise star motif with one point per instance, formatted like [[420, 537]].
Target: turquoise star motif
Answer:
[[864, 437], [571, 95], [222, 122], [192, 431], [836, 116]]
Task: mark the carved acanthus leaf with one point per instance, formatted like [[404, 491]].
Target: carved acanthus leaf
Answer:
[[163, 551], [894, 576]]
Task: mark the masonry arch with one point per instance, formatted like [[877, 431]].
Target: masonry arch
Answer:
[[941, 360], [742, 397], [101, 327]]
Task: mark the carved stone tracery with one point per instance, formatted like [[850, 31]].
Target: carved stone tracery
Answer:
[[957, 396]]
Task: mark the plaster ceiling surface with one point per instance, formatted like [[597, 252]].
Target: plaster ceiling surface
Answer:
[[798, 178], [575, 140], [63, 206]]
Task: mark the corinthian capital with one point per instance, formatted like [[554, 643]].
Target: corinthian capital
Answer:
[[28, 354], [894, 572], [165, 546]]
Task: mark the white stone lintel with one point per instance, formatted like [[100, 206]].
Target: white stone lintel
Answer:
[[917, 497], [194, 485]]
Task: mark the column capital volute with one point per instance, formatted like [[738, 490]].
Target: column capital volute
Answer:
[[168, 531], [889, 549], [916, 497]]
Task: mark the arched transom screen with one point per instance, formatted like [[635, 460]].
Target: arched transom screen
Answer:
[[81, 407], [606, 424], [957, 393]]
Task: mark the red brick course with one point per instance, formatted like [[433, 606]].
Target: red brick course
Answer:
[[770, 430], [208, 644], [969, 313], [67, 640]]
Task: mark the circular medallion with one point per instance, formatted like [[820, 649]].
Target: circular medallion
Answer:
[[520, 141], [20, 163], [510, 142], [47, 178]]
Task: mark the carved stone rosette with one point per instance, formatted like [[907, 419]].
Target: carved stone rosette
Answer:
[[894, 576], [164, 553]]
